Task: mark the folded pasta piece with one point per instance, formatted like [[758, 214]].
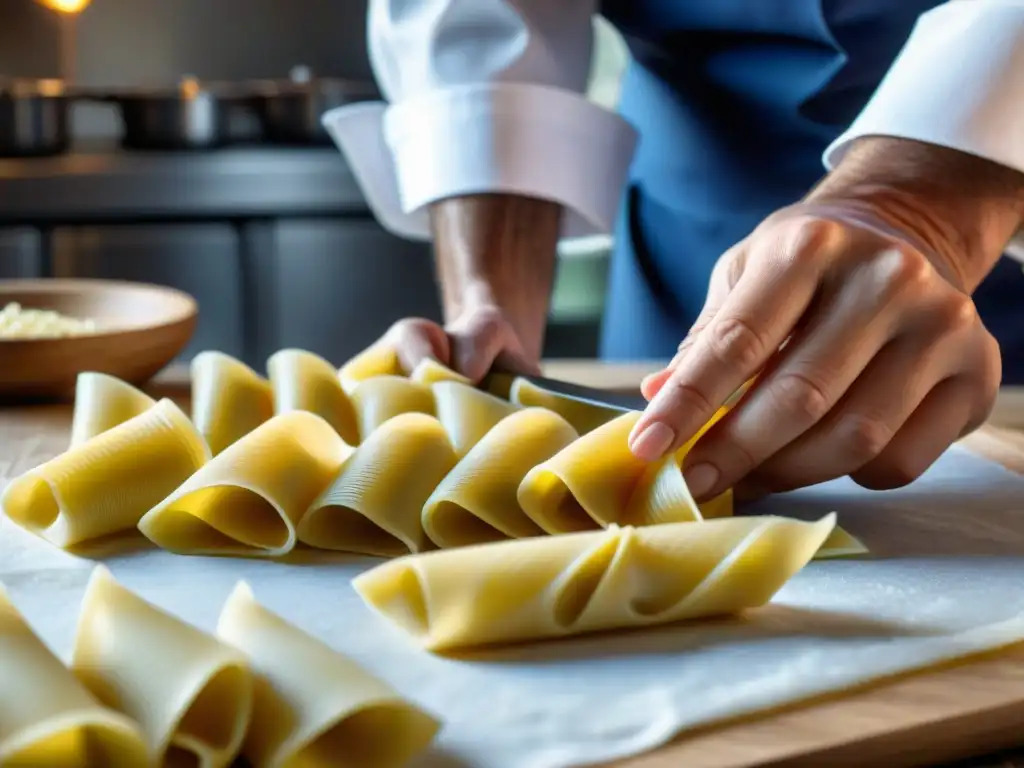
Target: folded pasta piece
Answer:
[[597, 481], [378, 360], [555, 586], [314, 706], [106, 484], [584, 417], [431, 372], [229, 399], [720, 506], [476, 501], [467, 413], [101, 403], [384, 397], [303, 381], [190, 693], [248, 499], [841, 544], [47, 717], [374, 504]]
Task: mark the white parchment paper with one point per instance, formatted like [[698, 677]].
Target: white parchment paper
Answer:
[[950, 582]]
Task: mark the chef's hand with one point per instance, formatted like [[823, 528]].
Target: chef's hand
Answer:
[[886, 362], [476, 339]]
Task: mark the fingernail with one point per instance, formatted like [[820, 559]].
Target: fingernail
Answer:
[[701, 478], [652, 443]]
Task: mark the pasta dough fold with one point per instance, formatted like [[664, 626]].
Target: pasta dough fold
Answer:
[[229, 399], [597, 481], [584, 417], [314, 706], [106, 484], [189, 692], [476, 501], [101, 403], [381, 359], [468, 414], [374, 504], [303, 381], [384, 397], [249, 499], [47, 717], [556, 586]]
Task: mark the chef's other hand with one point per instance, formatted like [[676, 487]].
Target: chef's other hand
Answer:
[[475, 340], [885, 361]]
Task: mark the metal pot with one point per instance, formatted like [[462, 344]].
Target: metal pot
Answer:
[[289, 110], [34, 118], [189, 116]]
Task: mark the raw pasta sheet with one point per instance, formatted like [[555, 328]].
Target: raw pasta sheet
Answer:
[[950, 582]]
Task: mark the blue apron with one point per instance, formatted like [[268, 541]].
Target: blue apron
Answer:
[[736, 100]]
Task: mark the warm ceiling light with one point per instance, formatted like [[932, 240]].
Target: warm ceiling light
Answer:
[[65, 6]]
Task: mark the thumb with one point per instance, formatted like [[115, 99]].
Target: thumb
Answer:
[[416, 339]]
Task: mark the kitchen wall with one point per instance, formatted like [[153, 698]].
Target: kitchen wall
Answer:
[[136, 42]]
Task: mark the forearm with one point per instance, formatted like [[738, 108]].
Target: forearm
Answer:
[[498, 249], [963, 208]]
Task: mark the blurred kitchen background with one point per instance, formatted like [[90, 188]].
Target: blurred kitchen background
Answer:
[[250, 211]]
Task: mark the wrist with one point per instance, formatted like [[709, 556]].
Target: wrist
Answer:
[[960, 210], [495, 250]]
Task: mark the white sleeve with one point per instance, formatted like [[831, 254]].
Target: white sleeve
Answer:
[[484, 96], [958, 83]]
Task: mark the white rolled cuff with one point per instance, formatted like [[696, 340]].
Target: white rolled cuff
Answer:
[[530, 140], [958, 83]]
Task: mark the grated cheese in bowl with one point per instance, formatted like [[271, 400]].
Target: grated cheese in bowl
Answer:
[[18, 323]]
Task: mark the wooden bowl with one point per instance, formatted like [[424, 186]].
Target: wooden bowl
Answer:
[[140, 328]]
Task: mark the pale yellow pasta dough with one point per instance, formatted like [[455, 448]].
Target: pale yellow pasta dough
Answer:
[[597, 481], [106, 484], [248, 499], [431, 372], [190, 693], [314, 706], [47, 717], [101, 403], [374, 504], [467, 413], [303, 381], [384, 397], [554, 586], [378, 360], [584, 417], [476, 502], [229, 399]]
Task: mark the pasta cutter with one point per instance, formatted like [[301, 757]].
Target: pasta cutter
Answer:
[[500, 383]]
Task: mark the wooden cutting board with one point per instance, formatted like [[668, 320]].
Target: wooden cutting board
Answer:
[[971, 708]]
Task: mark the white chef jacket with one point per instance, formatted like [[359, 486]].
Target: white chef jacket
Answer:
[[488, 96]]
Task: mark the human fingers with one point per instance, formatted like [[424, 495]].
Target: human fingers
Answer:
[[481, 339], [778, 284], [850, 324], [943, 340], [954, 408], [724, 277], [416, 339]]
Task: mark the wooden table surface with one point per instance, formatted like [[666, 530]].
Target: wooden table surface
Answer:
[[856, 729]]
